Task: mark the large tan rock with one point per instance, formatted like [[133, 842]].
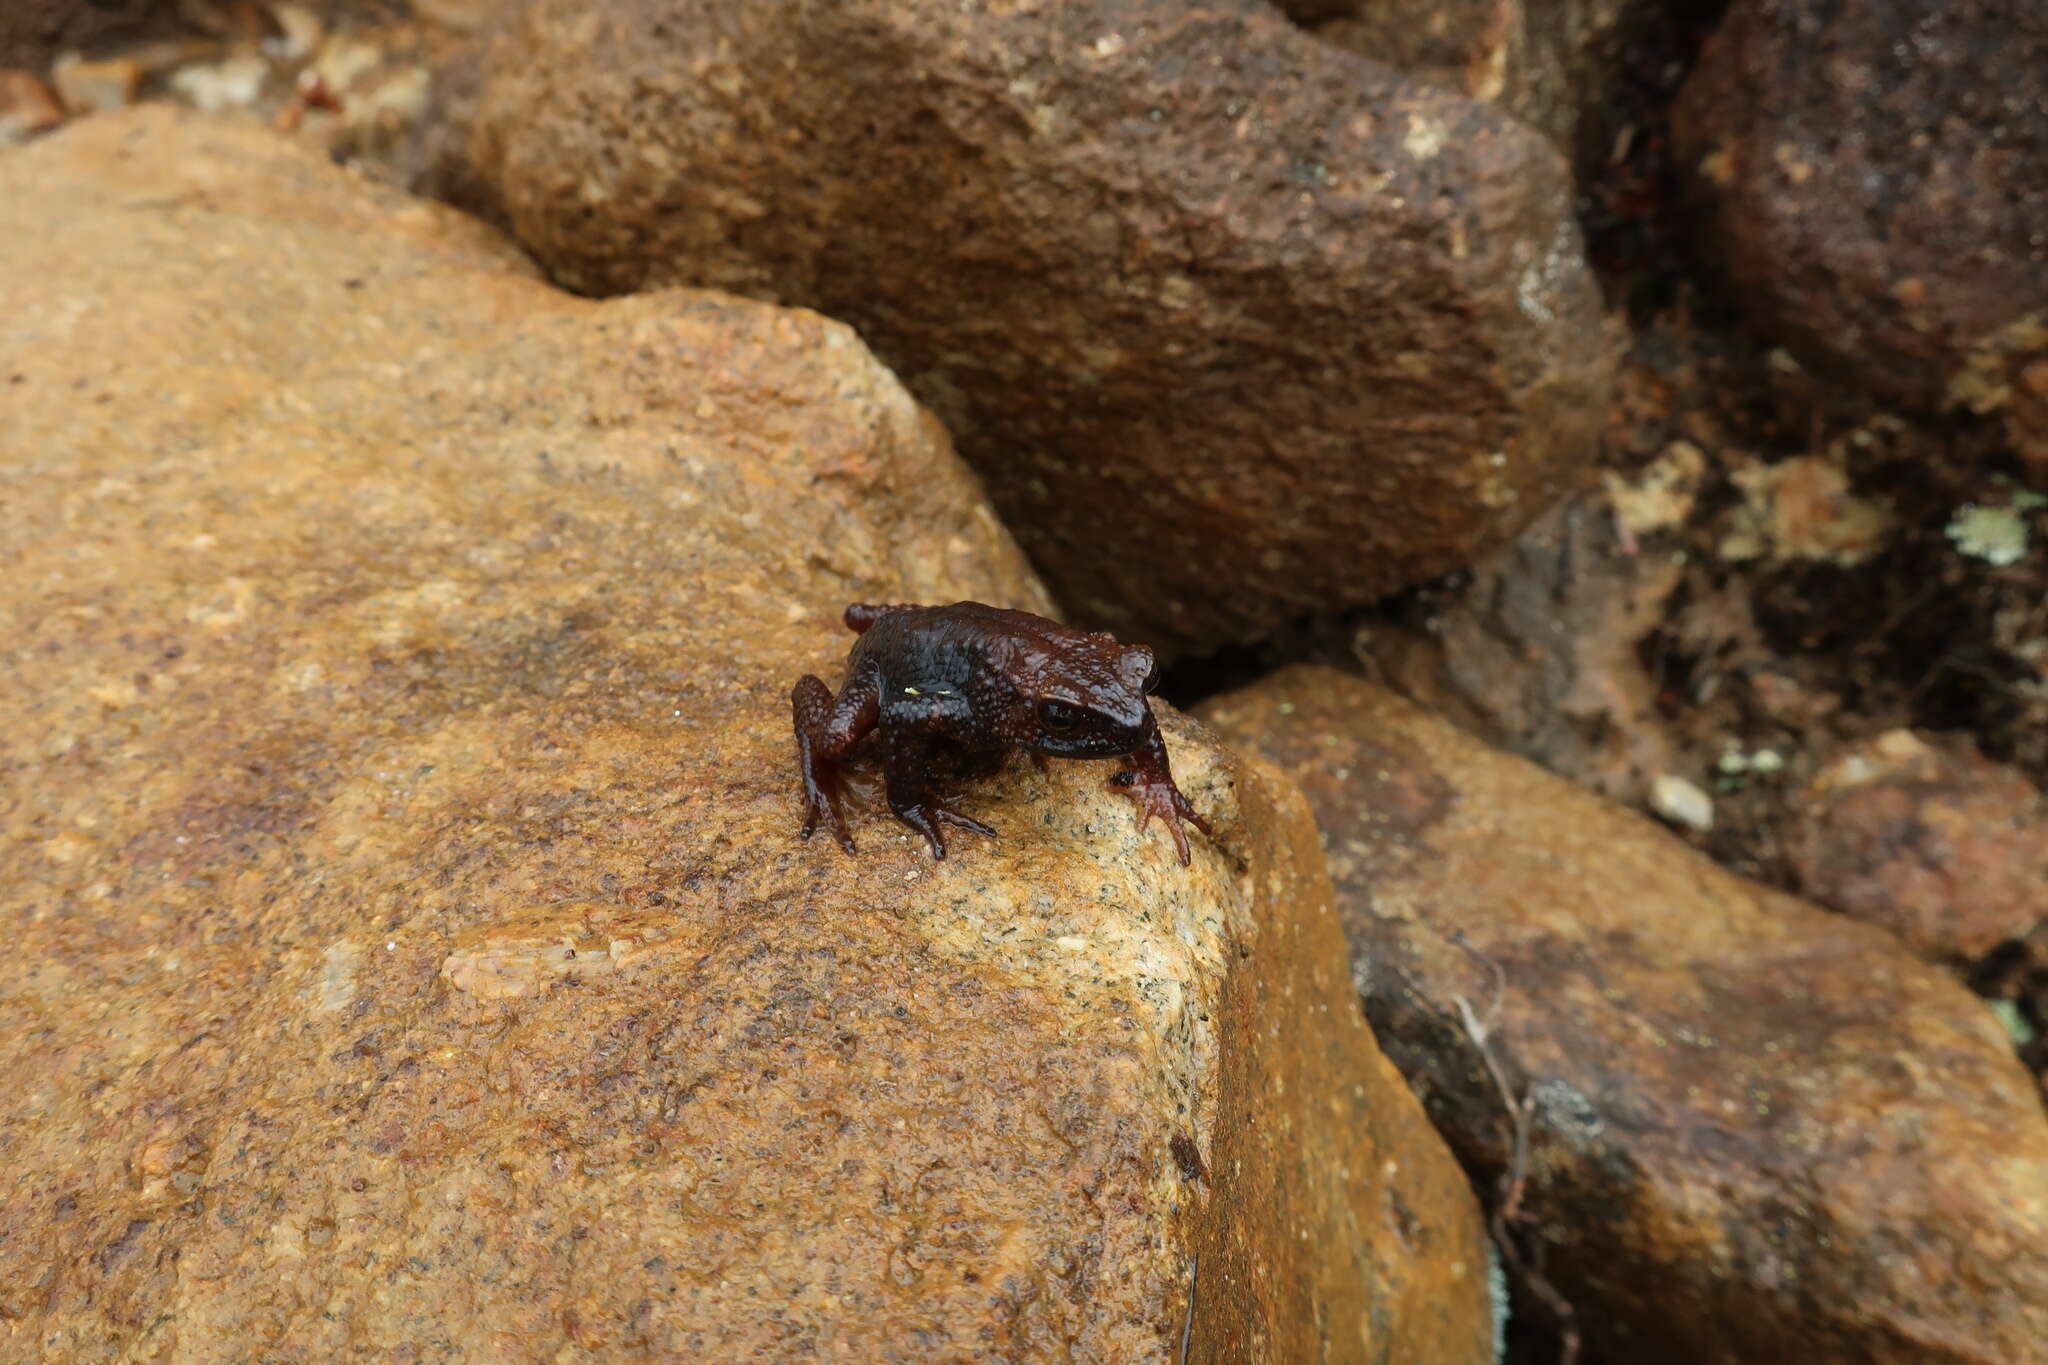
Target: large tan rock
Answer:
[[410, 949], [1234, 325], [1759, 1131]]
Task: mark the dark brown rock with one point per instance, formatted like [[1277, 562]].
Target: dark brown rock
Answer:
[[1234, 325], [1872, 177], [1760, 1131], [1945, 849], [411, 953]]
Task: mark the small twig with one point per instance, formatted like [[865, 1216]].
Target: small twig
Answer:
[[1624, 535], [1884, 628], [1500, 983], [1537, 1283], [1518, 1114], [1949, 663], [1507, 1208]]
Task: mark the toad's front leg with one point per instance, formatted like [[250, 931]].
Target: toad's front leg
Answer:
[[1149, 782], [910, 753], [826, 730]]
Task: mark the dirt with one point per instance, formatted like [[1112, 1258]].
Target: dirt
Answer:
[[348, 78], [1796, 653]]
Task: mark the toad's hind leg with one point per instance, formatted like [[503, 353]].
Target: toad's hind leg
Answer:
[[827, 728], [860, 615]]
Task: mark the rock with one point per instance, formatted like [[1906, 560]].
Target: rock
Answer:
[[1947, 850], [1538, 651], [1235, 326], [1759, 1131], [1872, 179], [1681, 802], [95, 87], [411, 950], [27, 107], [1551, 63]]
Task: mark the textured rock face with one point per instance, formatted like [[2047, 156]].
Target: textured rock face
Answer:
[[411, 952], [1947, 850], [1760, 1131], [1550, 63], [1233, 324], [1873, 176]]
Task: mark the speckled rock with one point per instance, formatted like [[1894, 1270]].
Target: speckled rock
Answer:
[[1945, 848], [1873, 177], [1760, 1131], [411, 952], [1235, 325], [1551, 63]]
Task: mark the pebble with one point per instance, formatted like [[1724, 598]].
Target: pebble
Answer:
[[1681, 802]]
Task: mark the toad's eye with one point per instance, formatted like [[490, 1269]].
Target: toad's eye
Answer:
[[1057, 715]]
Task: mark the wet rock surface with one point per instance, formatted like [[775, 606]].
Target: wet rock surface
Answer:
[[412, 953], [1758, 1131], [1872, 179], [1235, 325]]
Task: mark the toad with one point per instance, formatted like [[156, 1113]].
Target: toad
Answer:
[[986, 681]]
